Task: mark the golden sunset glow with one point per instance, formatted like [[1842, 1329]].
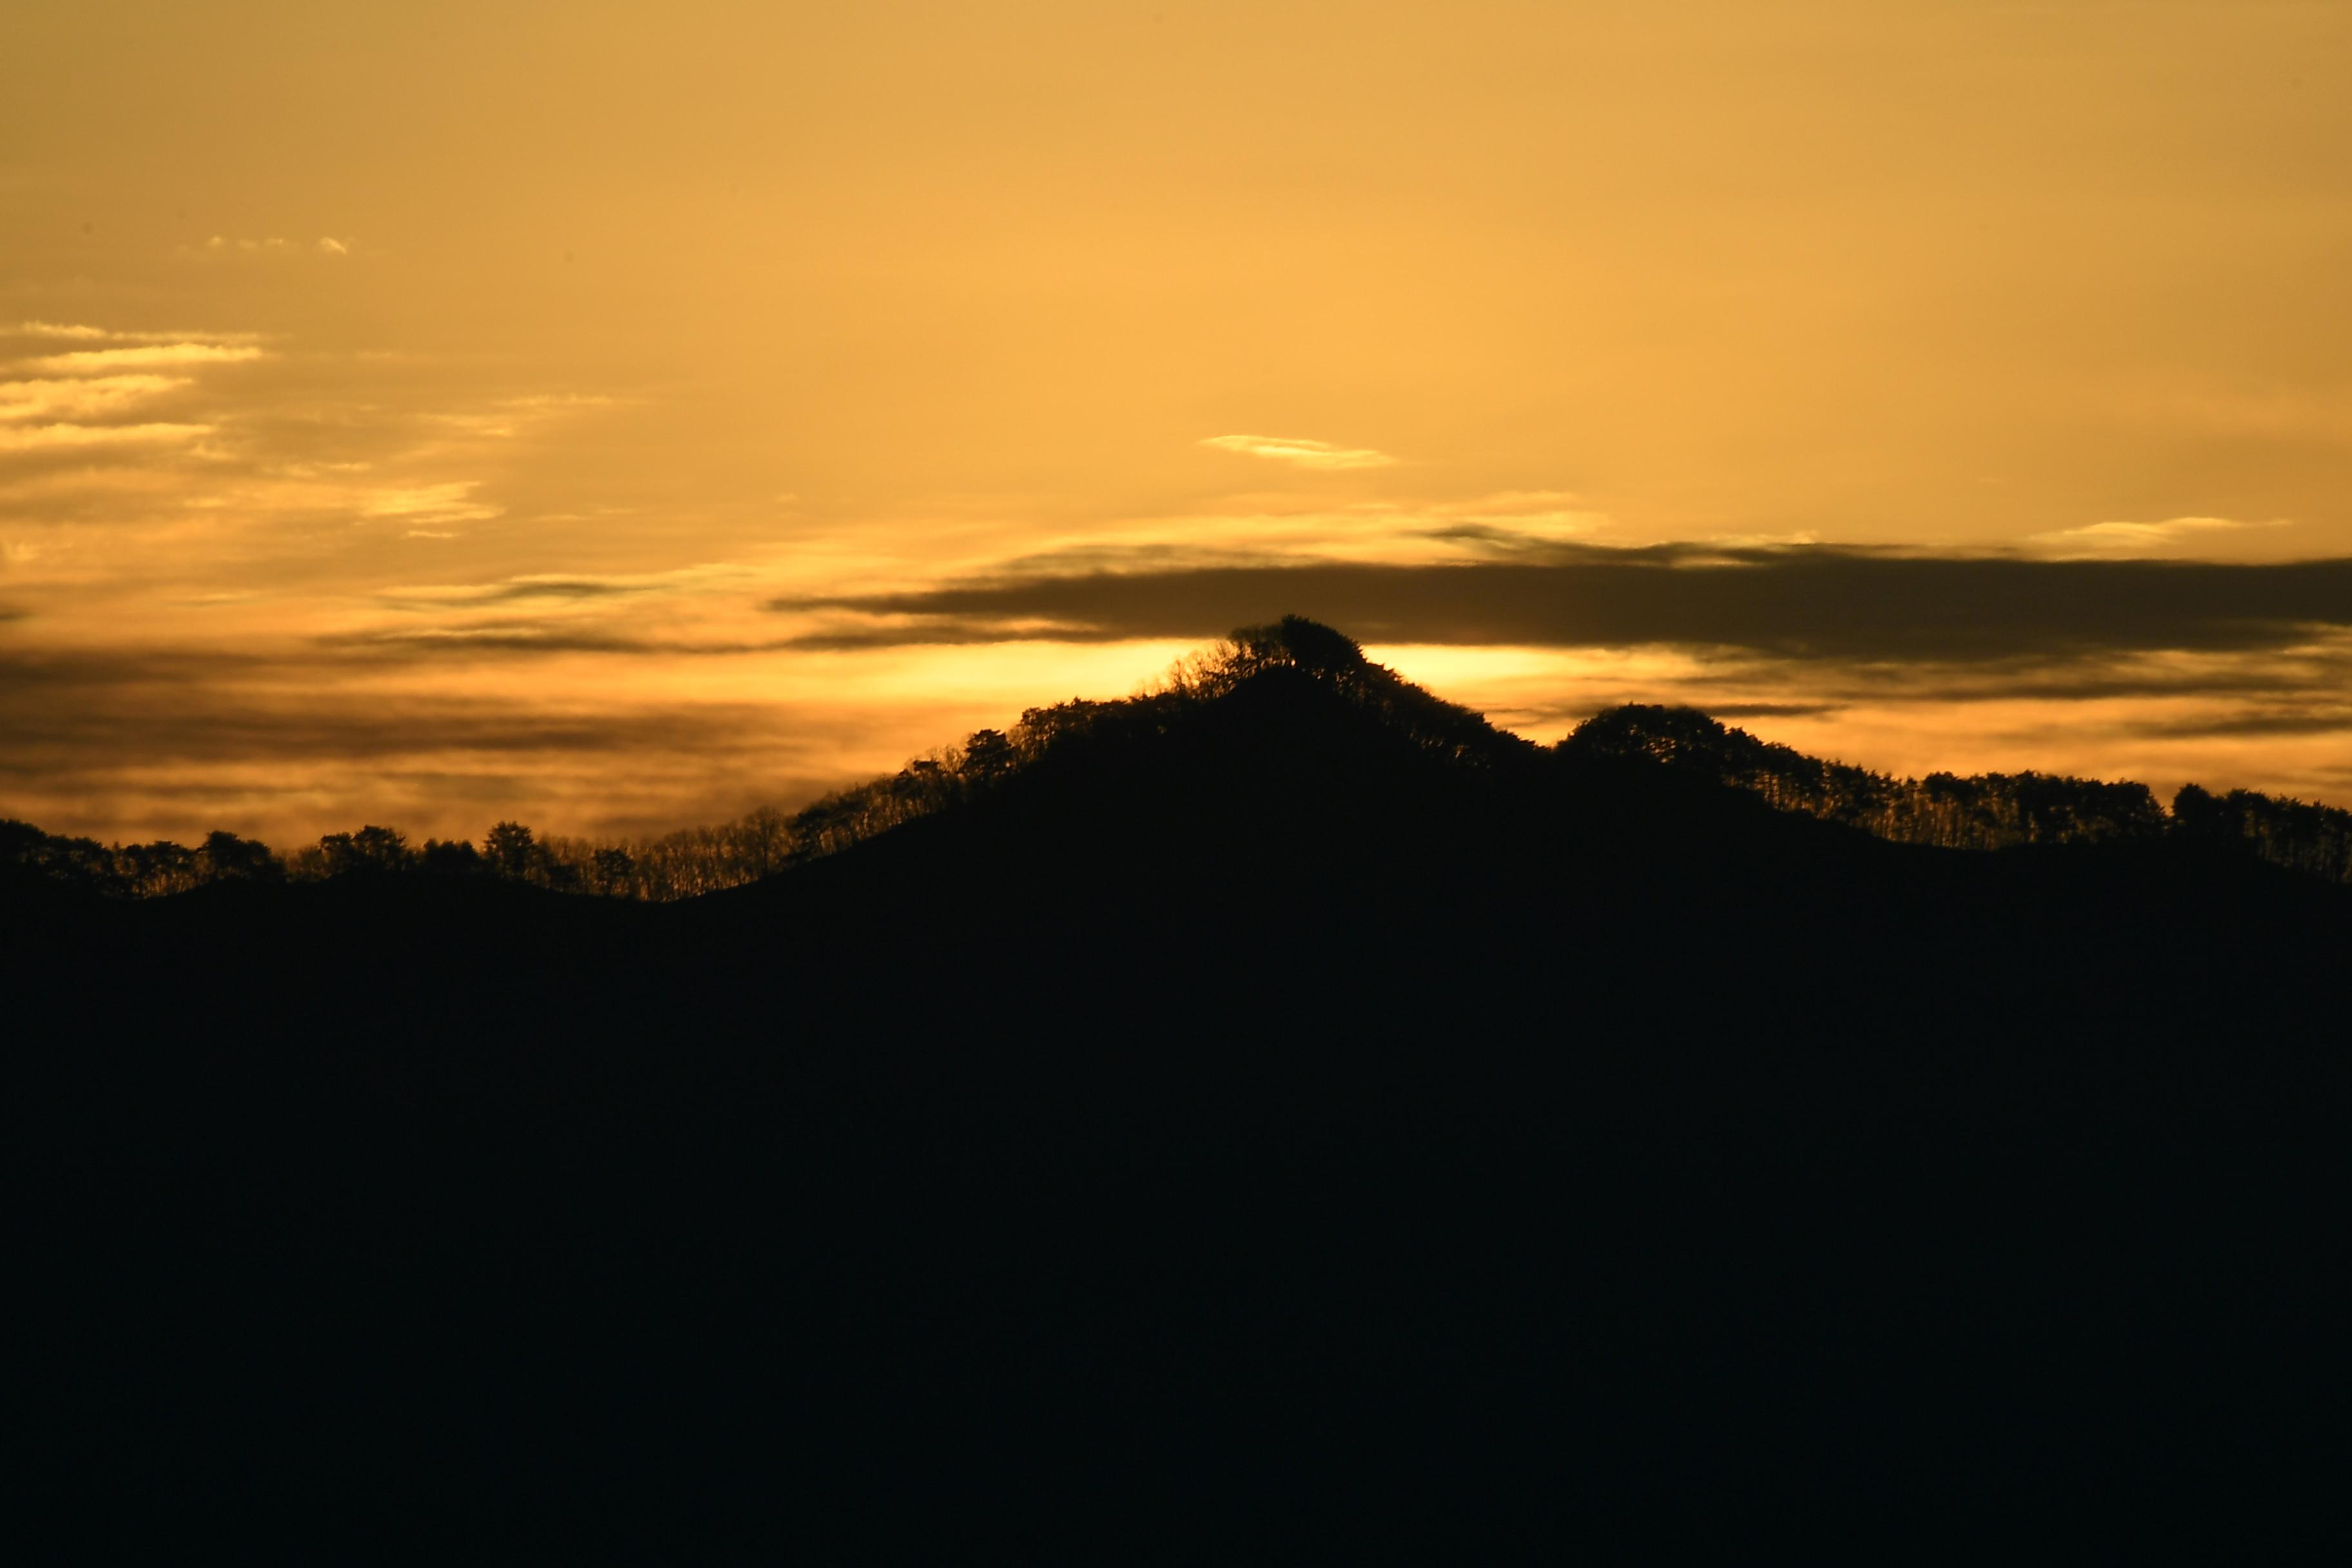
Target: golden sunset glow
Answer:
[[618, 417]]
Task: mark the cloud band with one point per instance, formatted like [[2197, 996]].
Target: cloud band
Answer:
[[1804, 604]]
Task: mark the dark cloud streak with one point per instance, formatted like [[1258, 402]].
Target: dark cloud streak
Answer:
[[234, 729], [1842, 606], [509, 640], [405, 646], [2261, 723], [59, 713]]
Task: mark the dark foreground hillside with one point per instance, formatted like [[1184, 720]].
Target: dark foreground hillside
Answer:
[[1295, 1120]]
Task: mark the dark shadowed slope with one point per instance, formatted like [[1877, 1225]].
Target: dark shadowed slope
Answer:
[[1283, 1115]]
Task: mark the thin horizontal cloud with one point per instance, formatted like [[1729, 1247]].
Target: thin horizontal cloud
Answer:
[[511, 639], [233, 727], [63, 486], [1807, 604], [448, 502], [93, 362], [2184, 690], [1773, 710], [1511, 524], [24, 671], [189, 703], [2126, 538], [43, 437], [566, 586], [2247, 677], [221, 248], [83, 332], [1304, 453], [2297, 721], [507, 637], [555, 588], [952, 631], [81, 398]]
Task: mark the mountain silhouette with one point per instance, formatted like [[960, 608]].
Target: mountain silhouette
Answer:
[[1278, 1112]]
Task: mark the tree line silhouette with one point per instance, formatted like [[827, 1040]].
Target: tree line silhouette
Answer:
[[1988, 811], [134, 870], [1982, 812]]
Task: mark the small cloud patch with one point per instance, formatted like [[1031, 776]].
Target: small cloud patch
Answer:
[[95, 361], [1304, 453], [48, 437], [81, 332], [450, 502], [81, 397], [2134, 538]]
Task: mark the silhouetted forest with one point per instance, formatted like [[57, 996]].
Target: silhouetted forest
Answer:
[[1988, 811], [1985, 812], [1278, 1115]]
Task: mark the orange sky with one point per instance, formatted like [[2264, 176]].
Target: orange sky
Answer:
[[434, 413]]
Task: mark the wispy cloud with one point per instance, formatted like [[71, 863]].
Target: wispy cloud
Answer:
[[1503, 525], [46, 438], [1304, 453], [449, 502], [221, 248], [2139, 538], [569, 587], [82, 331], [94, 362], [83, 397], [229, 450], [527, 637], [1511, 523]]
